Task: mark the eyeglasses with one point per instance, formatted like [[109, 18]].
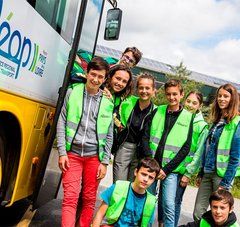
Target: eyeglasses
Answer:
[[129, 59]]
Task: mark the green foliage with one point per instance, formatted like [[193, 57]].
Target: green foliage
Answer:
[[181, 73], [236, 188]]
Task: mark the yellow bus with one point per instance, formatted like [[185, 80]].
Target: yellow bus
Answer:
[[35, 42]]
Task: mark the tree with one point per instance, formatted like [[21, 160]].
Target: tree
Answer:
[[181, 73]]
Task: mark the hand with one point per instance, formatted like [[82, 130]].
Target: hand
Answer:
[[161, 175], [198, 181], [107, 93], [221, 188], [63, 163], [102, 170], [184, 181]]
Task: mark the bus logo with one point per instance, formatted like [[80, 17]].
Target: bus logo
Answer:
[[18, 52]]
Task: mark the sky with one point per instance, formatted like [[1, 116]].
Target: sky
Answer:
[[204, 34]]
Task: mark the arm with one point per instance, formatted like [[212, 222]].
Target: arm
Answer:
[[100, 215], [60, 135], [102, 169], [180, 156], [144, 141], [193, 167], [108, 146], [233, 160]]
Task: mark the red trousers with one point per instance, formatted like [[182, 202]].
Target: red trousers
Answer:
[[80, 177]]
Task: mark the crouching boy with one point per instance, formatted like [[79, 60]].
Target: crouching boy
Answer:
[[221, 213], [130, 204]]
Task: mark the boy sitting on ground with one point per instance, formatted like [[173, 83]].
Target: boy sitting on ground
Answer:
[[221, 213], [130, 204]]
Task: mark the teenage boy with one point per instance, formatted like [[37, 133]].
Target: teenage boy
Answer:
[[168, 138], [130, 58], [134, 113], [84, 136], [221, 213], [130, 204]]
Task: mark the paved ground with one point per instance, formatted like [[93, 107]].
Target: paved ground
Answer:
[[50, 214]]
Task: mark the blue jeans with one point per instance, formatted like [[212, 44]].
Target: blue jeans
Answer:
[[168, 192], [178, 202]]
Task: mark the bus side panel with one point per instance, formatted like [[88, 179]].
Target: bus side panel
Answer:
[[33, 56], [35, 121]]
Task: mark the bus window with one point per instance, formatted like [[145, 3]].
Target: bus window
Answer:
[[91, 24], [60, 14]]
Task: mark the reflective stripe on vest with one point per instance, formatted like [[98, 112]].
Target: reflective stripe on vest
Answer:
[[126, 109], [118, 200], [224, 147], [176, 137], [198, 126], [204, 223], [74, 113]]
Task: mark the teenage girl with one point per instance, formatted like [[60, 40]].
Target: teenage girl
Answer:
[[221, 155]]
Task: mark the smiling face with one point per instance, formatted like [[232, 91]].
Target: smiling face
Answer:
[[223, 99], [220, 211], [128, 59], [174, 97], [95, 78], [192, 103], [119, 81], [145, 89]]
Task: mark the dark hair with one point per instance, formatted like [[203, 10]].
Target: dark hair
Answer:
[[129, 87], [222, 195], [173, 83], [232, 111], [136, 53], [98, 63], [149, 163], [198, 95], [146, 75]]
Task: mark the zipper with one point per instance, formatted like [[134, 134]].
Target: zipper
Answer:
[[85, 131]]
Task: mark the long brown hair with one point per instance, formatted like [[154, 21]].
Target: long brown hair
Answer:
[[232, 109], [129, 87]]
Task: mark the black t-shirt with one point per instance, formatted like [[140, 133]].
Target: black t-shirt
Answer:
[[137, 120]]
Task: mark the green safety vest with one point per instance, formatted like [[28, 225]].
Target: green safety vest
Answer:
[[204, 223], [199, 124], [74, 113], [118, 200], [126, 108], [224, 147], [176, 137]]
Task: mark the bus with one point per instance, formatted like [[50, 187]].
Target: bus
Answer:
[[38, 42]]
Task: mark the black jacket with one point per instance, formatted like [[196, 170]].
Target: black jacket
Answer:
[[171, 118], [208, 217]]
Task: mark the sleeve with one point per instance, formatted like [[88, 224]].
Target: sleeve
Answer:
[[108, 146], [180, 156], [233, 160], [61, 126], [107, 194], [144, 147], [194, 166]]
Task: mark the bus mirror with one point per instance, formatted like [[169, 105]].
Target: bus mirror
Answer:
[[113, 24]]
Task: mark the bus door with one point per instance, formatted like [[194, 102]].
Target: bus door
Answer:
[[90, 12]]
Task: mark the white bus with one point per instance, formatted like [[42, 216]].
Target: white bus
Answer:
[[36, 37]]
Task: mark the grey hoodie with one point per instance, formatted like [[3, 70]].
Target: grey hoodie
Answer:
[[85, 142]]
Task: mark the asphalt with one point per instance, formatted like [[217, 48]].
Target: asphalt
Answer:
[[50, 214]]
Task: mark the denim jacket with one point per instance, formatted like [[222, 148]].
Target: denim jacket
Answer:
[[210, 153]]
